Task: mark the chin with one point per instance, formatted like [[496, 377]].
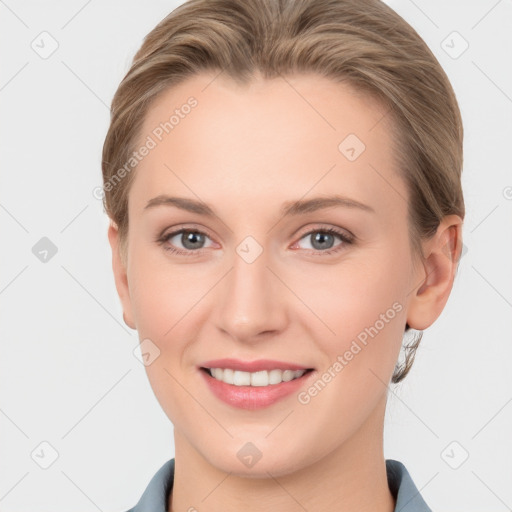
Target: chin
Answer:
[[251, 462]]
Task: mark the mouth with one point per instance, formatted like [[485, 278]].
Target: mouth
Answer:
[[261, 378], [254, 390], [254, 385]]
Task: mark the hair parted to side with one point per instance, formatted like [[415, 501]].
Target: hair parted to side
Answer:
[[363, 43]]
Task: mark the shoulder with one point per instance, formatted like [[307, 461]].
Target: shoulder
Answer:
[[156, 494], [401, 485]]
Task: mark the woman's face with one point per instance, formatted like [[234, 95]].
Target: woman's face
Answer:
[[250, 282]]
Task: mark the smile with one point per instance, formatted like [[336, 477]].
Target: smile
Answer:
[[255, 390], [257, 379]]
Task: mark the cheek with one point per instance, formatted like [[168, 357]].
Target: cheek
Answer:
[[162, 293], [368, 317], [166, 305], [354, 295], [170, 305], [365, 306]]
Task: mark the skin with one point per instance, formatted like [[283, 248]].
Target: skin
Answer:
[[245, 150]]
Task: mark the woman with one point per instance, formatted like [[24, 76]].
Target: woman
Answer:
[[283, 183]]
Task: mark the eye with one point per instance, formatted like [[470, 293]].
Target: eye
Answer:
[[322, 240], [192, 241]]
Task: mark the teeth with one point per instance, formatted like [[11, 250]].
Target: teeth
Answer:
[[262, 378]]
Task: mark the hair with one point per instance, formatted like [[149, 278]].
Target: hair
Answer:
[[363, 43]]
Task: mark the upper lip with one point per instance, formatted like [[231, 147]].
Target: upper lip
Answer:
[[252, 366]]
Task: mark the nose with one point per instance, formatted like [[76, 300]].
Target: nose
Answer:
[[252, 301]]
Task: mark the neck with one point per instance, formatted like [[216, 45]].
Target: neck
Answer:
[[350, 478]]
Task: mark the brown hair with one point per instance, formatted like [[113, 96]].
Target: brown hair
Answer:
[[363, 43]]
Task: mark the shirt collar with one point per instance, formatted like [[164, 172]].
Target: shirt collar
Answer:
[[408, 498]]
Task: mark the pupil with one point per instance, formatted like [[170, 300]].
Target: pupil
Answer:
[[320, 237], [190, 238]]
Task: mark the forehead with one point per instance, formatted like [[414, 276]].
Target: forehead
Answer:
[[282, 136]]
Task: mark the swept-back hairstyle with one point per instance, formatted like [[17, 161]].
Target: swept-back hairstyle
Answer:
[[363, 43]]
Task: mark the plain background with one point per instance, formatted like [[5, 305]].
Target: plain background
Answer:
[[69, 376]]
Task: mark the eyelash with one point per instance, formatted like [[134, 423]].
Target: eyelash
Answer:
[[346, 239]]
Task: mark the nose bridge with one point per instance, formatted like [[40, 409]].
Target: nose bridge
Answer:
[[251, 301]]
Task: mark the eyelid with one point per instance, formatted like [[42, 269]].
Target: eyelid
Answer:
[[327, 228], [167, 232]]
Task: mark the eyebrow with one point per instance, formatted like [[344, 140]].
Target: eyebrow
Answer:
[[299, 207]]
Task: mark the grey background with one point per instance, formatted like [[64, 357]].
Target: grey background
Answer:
[[69, 376]]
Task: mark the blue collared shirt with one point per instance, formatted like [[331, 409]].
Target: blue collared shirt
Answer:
[[407, 496]]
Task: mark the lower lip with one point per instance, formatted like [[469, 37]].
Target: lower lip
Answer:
[[253, 397]]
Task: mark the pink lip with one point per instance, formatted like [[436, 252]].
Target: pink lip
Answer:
[[253, 397], [252, 366]]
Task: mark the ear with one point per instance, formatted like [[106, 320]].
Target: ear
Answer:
[[433, 282], [120, 276]]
